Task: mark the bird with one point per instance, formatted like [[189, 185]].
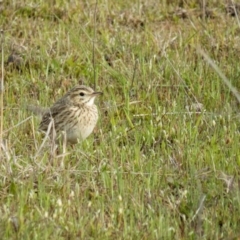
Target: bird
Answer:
[[75, 115]]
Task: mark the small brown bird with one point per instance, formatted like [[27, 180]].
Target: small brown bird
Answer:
[[74, 114]]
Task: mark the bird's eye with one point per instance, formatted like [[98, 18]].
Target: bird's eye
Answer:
[[81, 94]]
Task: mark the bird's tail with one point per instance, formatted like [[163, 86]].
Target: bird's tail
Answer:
[[37, 110]]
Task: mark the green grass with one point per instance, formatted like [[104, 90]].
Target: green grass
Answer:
[[152, 169]]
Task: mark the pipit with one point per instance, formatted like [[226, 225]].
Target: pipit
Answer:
[[74, 115]]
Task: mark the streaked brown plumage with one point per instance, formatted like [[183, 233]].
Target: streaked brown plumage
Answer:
[[75, 114]]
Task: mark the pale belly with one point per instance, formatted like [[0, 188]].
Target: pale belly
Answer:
[[78, 134], [82, 129]]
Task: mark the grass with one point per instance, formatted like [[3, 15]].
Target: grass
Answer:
[[156, 167]]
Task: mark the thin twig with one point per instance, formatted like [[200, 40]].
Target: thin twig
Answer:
[[134, 74], [219, 72], [25, 120], [45, 139], [235, 12], [1, 91], [186, 89], [93, 46], [204, 10], [200, 207], [118, 172]]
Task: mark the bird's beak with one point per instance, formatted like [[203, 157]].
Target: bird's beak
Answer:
[[97, 93]]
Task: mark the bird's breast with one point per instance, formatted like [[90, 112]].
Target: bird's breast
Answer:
[[82, 125]]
